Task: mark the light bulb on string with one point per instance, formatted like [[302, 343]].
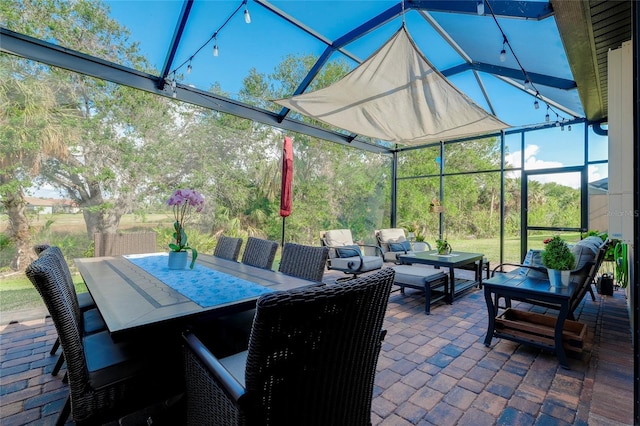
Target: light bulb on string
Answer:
[[247, 17], [569, 127], [480, 7], [503, 52], [189, 67], [527, 84], [536, 104], [215, 46]]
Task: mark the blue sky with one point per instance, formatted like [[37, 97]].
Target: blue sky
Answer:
[[264, 42]]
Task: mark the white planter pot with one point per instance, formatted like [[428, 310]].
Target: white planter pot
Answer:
[[559, 278], [177, 260]]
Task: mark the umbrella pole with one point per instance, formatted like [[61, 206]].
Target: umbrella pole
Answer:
[[283, 219]]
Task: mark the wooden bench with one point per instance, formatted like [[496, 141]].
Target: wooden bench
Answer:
[[433, 282]]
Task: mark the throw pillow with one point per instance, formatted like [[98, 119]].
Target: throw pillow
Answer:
[[348, 251], [534, 258], [404, 246]]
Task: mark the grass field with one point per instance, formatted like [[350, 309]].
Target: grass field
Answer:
[[20, 301]]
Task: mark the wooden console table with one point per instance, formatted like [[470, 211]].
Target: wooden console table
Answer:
[[543, 331]]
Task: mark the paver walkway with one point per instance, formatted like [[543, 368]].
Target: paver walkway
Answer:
[[433, 370]]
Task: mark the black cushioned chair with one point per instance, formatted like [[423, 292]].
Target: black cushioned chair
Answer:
[[259, 253], [311, 360], [88, 317], [228, 248], [306, 262], [106, 379]]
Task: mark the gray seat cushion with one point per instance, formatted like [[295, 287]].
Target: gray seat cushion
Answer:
[[353, 263]]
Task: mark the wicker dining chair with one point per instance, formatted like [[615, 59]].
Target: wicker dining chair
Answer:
[[85, 313], [106, 379], [311, 360], [228, 248], [114, 244], [85, 301], [306, 262], [259, 253]]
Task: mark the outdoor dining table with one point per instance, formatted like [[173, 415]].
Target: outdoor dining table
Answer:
[[136, 293]]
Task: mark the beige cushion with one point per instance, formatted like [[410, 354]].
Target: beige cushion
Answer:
[[338, 237], [391, 235]]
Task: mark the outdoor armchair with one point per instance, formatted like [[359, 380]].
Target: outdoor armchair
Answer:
[[311, 360], [347, 256], [393, 242]]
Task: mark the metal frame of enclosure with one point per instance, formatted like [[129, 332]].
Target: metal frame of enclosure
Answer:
[[54, 55]]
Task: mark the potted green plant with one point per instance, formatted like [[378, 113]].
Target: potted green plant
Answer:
[[559, 260], [443, 246]]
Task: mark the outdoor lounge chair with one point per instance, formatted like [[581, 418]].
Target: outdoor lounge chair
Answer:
[[393, 242], [311, 360], [349, 257]]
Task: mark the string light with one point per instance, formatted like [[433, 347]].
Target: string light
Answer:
[[528, 83], [214, 37], [247, 17], [480, 7], [503, 52]]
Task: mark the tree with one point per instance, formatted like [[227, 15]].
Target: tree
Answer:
[[31, 128], [101, 168]]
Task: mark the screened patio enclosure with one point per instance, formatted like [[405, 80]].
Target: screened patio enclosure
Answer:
[[549, 85]]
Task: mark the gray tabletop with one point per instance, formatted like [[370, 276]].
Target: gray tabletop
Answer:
[[130, 298]]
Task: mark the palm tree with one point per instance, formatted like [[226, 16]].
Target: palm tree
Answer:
[[30, 130]]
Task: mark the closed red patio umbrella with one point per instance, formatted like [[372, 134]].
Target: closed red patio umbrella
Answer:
[[286, 202]]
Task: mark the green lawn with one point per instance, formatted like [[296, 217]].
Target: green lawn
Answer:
[[17, 292]]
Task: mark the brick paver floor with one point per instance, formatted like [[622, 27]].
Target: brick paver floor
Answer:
[[433, 370]]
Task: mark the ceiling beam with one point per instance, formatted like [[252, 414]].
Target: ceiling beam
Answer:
[[533, 10], [513, 73], [47, 53], [175, 42]]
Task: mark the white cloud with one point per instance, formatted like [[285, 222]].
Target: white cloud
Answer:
[[532, 162]]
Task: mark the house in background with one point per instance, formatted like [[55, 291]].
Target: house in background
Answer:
[[51, 205]]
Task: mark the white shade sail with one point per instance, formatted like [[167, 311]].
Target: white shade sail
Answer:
[[396, 95]]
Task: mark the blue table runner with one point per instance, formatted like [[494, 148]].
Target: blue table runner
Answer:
[[205, 286]]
